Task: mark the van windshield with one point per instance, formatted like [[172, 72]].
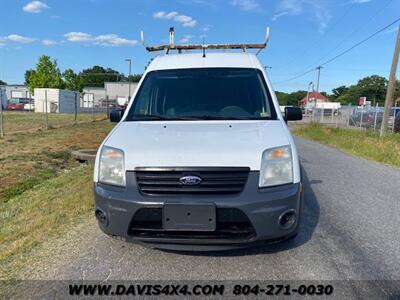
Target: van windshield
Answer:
[[203, 94]]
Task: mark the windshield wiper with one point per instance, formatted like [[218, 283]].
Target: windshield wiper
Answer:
[[208, 117], [148, 117], [143, 117]]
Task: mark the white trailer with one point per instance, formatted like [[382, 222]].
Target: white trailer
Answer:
[[328, 105], [58, 101]]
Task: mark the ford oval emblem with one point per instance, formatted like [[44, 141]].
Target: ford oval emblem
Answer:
[[190, 180]]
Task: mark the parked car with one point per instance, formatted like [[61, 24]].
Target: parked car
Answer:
[[201, 159], [364, 118], [397, 123], [18, 103], [15, 106], [393, 112], [29, 106], [379, 118]]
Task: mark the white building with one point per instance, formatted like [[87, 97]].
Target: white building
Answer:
[[112, 93], [58, 101], [93, 95], [13, 91], [119, 91]]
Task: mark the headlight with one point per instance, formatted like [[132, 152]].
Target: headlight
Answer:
[[276, 167], [112, 169]]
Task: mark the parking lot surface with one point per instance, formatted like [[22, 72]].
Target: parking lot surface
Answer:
[[350, 230]]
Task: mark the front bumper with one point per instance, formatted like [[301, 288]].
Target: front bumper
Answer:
[[262, 207]]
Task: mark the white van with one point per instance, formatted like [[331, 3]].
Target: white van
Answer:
[[201, 158]]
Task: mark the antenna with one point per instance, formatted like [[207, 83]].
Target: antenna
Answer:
[[171, 35], [142, 38], [204, 48]]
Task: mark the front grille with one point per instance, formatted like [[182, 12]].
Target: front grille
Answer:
[[162, 181], [231, 223]]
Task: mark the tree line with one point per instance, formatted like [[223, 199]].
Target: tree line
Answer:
[[373, 87], [48, 75]]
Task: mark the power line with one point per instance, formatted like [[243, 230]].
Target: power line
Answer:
[[354, 31], [342, 53], [361, 42], [307, 50], [295, 77]]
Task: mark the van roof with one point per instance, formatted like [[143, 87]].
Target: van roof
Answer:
[[211, 60]]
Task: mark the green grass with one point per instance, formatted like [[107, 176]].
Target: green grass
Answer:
[[366, 144], [45, 211], [43, 190], [29, 158], [22, 121]]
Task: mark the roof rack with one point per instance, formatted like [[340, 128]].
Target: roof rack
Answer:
[[179, 48]]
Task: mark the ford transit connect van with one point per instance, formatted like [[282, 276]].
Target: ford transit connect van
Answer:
[[201, 158]]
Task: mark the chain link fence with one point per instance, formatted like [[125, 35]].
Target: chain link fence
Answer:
[[355, 117], [22, 117]]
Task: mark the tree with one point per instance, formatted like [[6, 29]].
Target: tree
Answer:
[[134, 78], [28, 74], [2, 82], [72, 81], [373, 87], [46, 75], [290, 98], [294, 97], [96, 76], [339, 91], [282, 97]]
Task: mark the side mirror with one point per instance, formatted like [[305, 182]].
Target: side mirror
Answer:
[[116, 115], [293, 113]]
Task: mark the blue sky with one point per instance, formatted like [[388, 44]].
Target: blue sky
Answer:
[[83, 33]]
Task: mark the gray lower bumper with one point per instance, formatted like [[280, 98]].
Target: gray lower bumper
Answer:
[[263, 207]]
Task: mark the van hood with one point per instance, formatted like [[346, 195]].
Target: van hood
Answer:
[[196, 143]]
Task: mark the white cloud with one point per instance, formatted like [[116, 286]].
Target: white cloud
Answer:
[[206, 28], [297, 7], [289, 7], [322, 14], [2, 44], [17, 38], [103, 40], [113, 40], [185, 21], [35, 7], [80, 37], [246, 5], [48, 42], [360, 1], [186, 38]]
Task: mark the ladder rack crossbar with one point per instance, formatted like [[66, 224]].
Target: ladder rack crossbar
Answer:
[[204, 47], [207, 47]]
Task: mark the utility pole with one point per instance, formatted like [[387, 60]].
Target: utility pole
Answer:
[[391, 85], [308, 97], [319, 75], [129, 78]]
